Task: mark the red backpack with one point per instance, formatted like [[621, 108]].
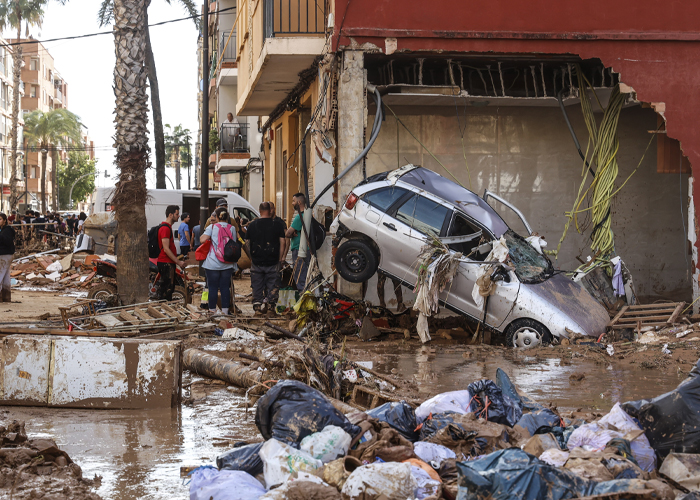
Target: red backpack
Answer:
[[228, 249]]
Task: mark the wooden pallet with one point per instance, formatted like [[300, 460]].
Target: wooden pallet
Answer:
[[134, 318], [647, 315]]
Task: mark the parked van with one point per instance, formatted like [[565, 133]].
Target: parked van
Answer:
[[187, 200]]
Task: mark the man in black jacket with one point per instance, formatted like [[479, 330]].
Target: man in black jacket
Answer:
[[266, 240], [7, 250]]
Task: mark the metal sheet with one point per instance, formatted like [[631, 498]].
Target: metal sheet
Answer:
[[90, 372]]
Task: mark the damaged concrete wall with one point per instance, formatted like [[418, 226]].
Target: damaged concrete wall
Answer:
[[527, 156]]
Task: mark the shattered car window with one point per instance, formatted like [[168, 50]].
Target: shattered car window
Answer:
[[530, 266]]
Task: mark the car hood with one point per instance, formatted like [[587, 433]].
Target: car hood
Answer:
[[574, 301]]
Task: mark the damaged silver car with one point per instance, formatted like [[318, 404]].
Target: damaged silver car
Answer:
[[387, 218]]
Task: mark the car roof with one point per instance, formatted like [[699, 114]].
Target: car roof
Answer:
[[460, 197]]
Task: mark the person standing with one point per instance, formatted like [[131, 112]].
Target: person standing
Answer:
[[265, 237], [81, 221], [185, 235], [7, 250], [218, 272], [280, 221], [167, 259], [196, 232], [232, 130], [301, 266]]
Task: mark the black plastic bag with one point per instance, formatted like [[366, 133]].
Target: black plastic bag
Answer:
[[671, 421], [400, 416], [509, 389], [292, 410], [513, 473], [441, 420], [243, 458], [539, 422], [492, 403]]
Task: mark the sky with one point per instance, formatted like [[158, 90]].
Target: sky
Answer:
[[87, 65]]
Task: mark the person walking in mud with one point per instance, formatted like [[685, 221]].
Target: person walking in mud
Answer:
[[7, 251]]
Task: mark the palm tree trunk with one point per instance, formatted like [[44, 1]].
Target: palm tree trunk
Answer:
[[131, 142], [16, 75], [177, 167], [54, 179], [158, 133], [44, 156]]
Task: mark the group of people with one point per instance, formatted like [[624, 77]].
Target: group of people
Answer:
[[267, 240], [49, 227]]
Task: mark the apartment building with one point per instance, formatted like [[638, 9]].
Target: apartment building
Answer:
[[6, 93], [234, 159], [45, 89]]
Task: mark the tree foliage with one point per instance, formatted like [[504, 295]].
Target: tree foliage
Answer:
[[79, 164]]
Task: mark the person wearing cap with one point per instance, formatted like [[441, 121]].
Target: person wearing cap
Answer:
[[185, 235]]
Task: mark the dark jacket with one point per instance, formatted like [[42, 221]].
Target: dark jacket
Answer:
[[7, 240]]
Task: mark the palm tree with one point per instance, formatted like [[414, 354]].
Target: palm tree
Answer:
[[131, 143], [12, 14], [104, 16], [176, 142], [45, 131]]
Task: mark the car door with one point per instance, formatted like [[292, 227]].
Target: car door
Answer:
[[474, 252], [372, 207], [405, 230]]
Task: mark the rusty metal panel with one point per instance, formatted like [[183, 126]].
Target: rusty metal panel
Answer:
[[91, 372], [25, 369]]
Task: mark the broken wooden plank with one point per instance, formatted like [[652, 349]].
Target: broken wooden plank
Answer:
[[171, 312], [128, 317], [628, 325], [634, 319], [155, 312], [619, 315], [108, 320], [637, 307], [676, 313], [142, 314]]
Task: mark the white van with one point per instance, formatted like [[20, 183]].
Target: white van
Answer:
[[187, 200]]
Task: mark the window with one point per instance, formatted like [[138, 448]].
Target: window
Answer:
[[461, 226], [34, 64], [423, 215], [245, 214], [33, 91], [383, 198]]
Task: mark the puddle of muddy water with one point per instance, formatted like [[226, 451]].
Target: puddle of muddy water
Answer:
[[138, 453], [544, 379]]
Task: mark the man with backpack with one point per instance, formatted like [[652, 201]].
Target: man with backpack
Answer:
[[265, 237], [167, 253]]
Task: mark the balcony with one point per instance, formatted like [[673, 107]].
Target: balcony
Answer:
[[234, 151], [228, 72], [293, 36], [58, 94]]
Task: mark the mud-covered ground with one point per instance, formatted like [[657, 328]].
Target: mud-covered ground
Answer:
[[139, 453]]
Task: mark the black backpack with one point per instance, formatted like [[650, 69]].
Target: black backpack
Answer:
[[153, 246], [232, 250], [318, 233]]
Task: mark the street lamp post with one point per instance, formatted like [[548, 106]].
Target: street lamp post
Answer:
[[70, 194]]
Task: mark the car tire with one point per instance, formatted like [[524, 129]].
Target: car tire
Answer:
[[180, 295], [105, 292], [356, 261], [525, 333]]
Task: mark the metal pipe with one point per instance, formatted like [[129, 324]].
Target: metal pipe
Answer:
[[571, 131], [488, 194], [211, 366], [204, 165]]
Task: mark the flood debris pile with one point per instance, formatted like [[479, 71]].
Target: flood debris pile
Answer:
[[37, 468], [55, 271], [488, 441]]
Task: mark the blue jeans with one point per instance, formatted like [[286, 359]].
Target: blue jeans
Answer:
[[219, 281]]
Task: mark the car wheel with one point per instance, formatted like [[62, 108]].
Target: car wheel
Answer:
[[356, 261], [527, 333], [105, 292], [180, 294]]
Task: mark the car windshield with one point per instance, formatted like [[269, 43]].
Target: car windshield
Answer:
[[530, 266]]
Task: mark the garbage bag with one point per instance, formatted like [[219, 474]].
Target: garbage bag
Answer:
[[208, 483], [303, 487], [515, 474], [281, 460], [441, 421], [425, 485], [243, 458], [509, 389], [292, 410], [400, 416], [491, 403], [454, 401], [616, 424], [332, 442], [466, 435], [433, 453], [539, 422], [672, 421], [393, 480]]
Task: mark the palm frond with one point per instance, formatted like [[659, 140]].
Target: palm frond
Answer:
[[106, 13]]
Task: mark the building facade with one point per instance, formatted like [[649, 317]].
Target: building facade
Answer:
[[6, 95], [484, 99]]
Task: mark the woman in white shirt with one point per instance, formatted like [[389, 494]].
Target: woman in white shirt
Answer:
[[218, 272]]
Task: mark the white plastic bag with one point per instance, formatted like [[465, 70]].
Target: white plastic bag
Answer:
[[332, 442], [392, 479], [433, 454], [425, 485], [56, 267], [616, 424], [456, 401], [209, 483], [555, 457], [280, 460]]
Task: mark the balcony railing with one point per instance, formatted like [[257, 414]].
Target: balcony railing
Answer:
[[233, 138], [230, 52], [59, 94], [294, 17]]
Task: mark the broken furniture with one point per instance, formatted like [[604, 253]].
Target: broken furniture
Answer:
[[640, 316]]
